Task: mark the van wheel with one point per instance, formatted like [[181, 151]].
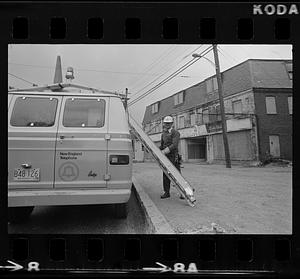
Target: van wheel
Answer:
[[19, 214], [121, 210]]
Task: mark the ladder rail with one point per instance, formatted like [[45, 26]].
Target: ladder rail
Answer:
[[165, 164], [60, 86]]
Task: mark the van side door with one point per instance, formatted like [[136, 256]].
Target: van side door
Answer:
[[32, 129], [81, 151], [119, 147]]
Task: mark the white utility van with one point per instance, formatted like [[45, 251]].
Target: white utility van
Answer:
[[67, 148]]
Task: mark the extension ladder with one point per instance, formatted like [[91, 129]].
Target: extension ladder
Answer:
[[165, 164]]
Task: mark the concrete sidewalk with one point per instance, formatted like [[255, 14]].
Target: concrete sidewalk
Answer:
[[243, 200]]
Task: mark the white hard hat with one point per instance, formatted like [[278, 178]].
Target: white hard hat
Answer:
[[168, 119]]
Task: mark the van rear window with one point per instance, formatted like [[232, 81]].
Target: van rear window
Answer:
[[84, 113], [34, 112]]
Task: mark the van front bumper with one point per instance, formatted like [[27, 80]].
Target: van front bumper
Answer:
[[67, 197]]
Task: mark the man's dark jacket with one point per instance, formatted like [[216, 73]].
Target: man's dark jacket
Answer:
[[170, 139]]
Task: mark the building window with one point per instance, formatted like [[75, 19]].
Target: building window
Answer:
[[237, 106], [178, 99], [154, 108], [205, 116], [212, 114], [211, 85], [158, 126], [199, 116], [218, 112], [289, 68], [181, 122], [150, 128], [290, 103], [188, 120], [271, 105], [193, 118]]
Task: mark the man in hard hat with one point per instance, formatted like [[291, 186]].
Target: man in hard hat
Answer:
[[169, 146]]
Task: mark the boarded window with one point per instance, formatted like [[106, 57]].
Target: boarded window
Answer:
[[218, 112], [237, 106], [154, 108], [271, 105], [205, 116], [84, 113], [290, 103], [189, 119], [178, 99], [199, 119], [215, 83], [211, 85], [193, 119], [158, 127], [34, 112], [212, 114], [181, 122]]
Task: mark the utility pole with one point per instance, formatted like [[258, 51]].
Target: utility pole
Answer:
[[220, 91], [126, 104], [126, 96]]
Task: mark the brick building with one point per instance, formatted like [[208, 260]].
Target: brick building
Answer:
[[258, 110]]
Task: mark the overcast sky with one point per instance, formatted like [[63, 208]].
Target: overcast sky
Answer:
[[137, 67]]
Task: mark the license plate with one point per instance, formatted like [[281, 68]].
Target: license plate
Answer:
[[27, 174]]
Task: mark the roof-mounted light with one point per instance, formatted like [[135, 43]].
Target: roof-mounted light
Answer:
[[70, 73]]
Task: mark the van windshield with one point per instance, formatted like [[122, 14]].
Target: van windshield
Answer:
[[34, 112], [84, 113]]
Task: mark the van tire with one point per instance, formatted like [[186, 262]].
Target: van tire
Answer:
[[19, 214], [121, 210]]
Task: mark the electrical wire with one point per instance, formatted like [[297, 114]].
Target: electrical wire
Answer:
[[225, 52], [188, 64], [161, 76], [181, 69], [32, 83], [154, 64], [165, 72]]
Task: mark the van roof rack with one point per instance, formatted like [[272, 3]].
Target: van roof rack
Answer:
[[56, 87]]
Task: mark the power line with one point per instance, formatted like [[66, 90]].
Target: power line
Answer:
[[182, 68], [225, 52], [161, 76], [188, 64], [32, 83], [162, 57], [190, 53], [164, 72]]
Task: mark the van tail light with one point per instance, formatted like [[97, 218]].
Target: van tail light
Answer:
[[119, 159]]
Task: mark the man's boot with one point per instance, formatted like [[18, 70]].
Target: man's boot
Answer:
[[165, 195]]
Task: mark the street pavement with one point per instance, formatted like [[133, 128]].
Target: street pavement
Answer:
[[237, 200], [82, 219]]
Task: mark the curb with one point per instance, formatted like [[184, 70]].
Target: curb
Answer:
[[157, 222]]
